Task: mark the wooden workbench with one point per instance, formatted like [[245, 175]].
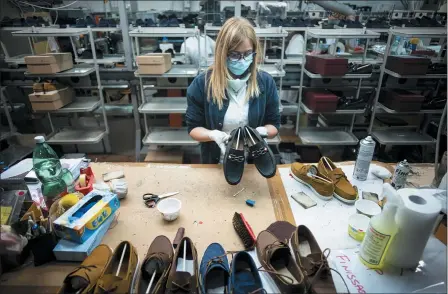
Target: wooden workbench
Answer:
[[202, 187]]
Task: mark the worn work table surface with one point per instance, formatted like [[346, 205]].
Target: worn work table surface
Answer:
[[206, 198]]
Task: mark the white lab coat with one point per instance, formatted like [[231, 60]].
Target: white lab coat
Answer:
[[191, 50]]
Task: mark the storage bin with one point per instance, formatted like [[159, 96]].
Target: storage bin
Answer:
[[408, 65], [154, 63], [401, 100], [321, 101], [49, 63], [326, 65], [51, 100]]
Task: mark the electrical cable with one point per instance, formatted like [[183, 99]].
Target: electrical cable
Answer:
[[48, 8]]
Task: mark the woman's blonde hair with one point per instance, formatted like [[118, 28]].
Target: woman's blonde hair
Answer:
[[234, 31]]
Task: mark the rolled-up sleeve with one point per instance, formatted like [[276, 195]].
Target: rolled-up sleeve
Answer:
[[272, 116], [195, 115]]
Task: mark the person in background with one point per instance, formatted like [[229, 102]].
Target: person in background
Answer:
[[191, 50], [232, 93]]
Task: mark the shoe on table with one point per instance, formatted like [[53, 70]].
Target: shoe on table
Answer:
[[282, 230], [234, 158], [260, 152], [83, 279], [244, 275], [123, 282], [312, 260], [182, 280], [158, 259], [276, 259], [310, 176], [214, 270], [343, 190]]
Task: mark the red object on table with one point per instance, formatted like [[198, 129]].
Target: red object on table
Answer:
[[90, 179]]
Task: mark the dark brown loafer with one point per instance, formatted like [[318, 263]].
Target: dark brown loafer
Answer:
[[180, 279], [160, 256], [276, 259], [312, 260]]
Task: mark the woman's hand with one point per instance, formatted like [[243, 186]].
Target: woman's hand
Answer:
[[268, 131], [201, 134], [220, 138]]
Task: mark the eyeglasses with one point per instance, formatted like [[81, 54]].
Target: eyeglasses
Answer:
[[235, 56]]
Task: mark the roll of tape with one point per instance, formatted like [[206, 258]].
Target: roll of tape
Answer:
[[82, 180]]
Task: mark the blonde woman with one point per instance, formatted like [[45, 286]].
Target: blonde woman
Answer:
[[232, 93]]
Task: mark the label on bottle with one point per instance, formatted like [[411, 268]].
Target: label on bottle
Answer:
[[373, 246]]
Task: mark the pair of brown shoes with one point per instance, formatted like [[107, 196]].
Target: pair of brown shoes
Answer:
[[171, 274], [326, 180], [45, 87], [304, 270], [104, 272]]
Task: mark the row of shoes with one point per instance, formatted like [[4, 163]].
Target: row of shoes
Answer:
[[45, 87], [326, 180], [242, 140], [36, 21]]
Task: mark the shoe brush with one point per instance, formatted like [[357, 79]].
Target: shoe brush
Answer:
[[244, 231]]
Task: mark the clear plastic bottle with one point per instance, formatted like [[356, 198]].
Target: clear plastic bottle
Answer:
[[55, 180]]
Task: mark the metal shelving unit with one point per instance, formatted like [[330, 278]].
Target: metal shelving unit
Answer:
[[164, 105], [80, 105], [328, 135], [411, 135]]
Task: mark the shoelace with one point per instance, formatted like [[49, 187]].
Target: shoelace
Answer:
[[271, 270], [324, 266], [85, 267]]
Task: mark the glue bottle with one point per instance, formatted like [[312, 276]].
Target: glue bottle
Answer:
[[381, 231]]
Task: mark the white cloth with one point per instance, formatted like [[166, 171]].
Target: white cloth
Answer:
[[295, 46], [191, 50]]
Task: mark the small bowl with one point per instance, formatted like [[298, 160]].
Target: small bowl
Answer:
[[169, 208], [357, 226], [367, 207]]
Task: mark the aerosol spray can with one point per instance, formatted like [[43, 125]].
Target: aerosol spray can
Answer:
[[400, 174], [365, 154]]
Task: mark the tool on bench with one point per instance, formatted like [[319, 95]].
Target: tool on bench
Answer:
[[244, 231], [151, 199]]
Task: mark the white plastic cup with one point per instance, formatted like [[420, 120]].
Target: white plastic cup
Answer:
[[169, 208]]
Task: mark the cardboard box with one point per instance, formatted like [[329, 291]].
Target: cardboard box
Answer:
[[70, 251], [154, 63], [441, 232], [85, 217], [49, 63], [51, 100]]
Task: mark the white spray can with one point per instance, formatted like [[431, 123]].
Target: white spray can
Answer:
[[365, 154]]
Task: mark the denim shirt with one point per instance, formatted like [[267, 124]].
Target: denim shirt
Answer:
[[201, 112]]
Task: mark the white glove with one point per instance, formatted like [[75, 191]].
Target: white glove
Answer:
[[220, 138], [262, 131]]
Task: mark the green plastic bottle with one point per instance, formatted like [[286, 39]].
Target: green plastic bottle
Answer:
[[55, 180]]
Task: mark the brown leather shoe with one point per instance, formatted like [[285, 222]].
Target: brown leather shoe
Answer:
[[312, 260], [180, 280], [83, 279], [276, 259], [123, 283], [160, 256], [282, 230]]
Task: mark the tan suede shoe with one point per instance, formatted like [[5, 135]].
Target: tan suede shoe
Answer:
[[123, 282], [309, 175], [83, 279], [276, 259], [312, 261], [343, 190]]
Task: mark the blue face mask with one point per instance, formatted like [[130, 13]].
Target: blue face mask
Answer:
[[240, 66]]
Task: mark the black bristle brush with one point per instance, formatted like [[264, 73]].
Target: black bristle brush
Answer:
[[244, 231]]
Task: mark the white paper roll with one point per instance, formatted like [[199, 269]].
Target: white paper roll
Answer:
[[415, 223]]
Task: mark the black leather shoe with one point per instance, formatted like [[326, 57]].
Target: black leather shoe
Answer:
[[234, 158], [260, 152]]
